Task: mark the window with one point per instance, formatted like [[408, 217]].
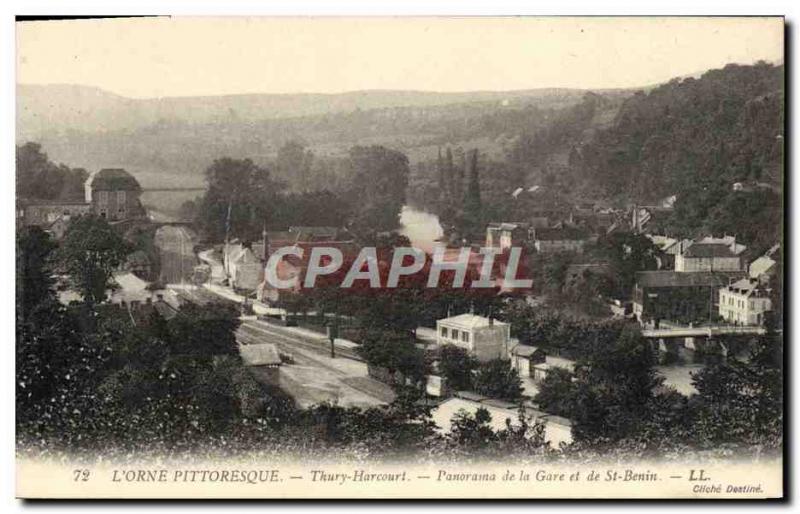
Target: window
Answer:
[[121, 197], [454, 334], [444, 332], [103, 197], [465, 336]]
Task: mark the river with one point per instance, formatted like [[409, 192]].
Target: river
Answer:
[[421, 227]]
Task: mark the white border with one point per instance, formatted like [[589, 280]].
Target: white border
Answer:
[[325, 7]]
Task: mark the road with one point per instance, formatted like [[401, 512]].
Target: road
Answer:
[[217, 270], [176, 248], [315, 377]]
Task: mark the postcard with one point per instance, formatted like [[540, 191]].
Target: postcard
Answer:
[[400, 257]]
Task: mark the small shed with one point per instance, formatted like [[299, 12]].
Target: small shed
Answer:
[[541, 370], [260, 355], [524, 357]]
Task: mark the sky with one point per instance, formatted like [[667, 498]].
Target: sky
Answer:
[[154, 57]]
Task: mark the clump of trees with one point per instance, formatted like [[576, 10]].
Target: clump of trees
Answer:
[[93, 374], [244, 198], [495, 378], [617, 402], [89, 254], [40, 178]]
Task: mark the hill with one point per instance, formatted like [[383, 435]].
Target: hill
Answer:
[[725, 127], [169, 141]]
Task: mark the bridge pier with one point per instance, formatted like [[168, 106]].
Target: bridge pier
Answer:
[[668, 350]]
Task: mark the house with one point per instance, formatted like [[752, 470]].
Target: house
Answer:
[[762, 268], [711, 254], [245, 269], [679, 296], [291, 267], [765, 267], [524, 358], [541, 369], [557, 429], [506, 235], [563, 239], [59, 227], [669, 248], [485, 338], [46, 213], [744, 302], [114, 194]]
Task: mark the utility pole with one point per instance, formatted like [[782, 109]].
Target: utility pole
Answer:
[[333, 333]]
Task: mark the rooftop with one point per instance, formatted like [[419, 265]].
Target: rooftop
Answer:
[[761, 265], [706, 250], [510, 225], [551, 361], [524, 350], [260, 354], [747, 287], [113, 179], [469, 320], [685, 279]]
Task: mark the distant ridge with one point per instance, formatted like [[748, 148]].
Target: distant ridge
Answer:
[[47, 108]]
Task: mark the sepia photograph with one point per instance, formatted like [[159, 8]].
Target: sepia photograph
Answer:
[[409, 257]]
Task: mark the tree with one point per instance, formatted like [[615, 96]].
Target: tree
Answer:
[[395, 353], [241, 197], [473, 215], [378, 187], [472, 431], [456, 366], [89, 254], [38, 177], [204, 331], [34, 274], [742, 401], [497, 379], [614, 386], [556, 392], [627, 253], [294, 163]]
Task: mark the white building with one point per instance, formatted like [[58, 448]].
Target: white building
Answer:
[[485, 338], [244, 269], [506, 235], [744, 302]]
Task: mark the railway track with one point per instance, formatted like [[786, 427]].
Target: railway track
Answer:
[[255, 332]]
